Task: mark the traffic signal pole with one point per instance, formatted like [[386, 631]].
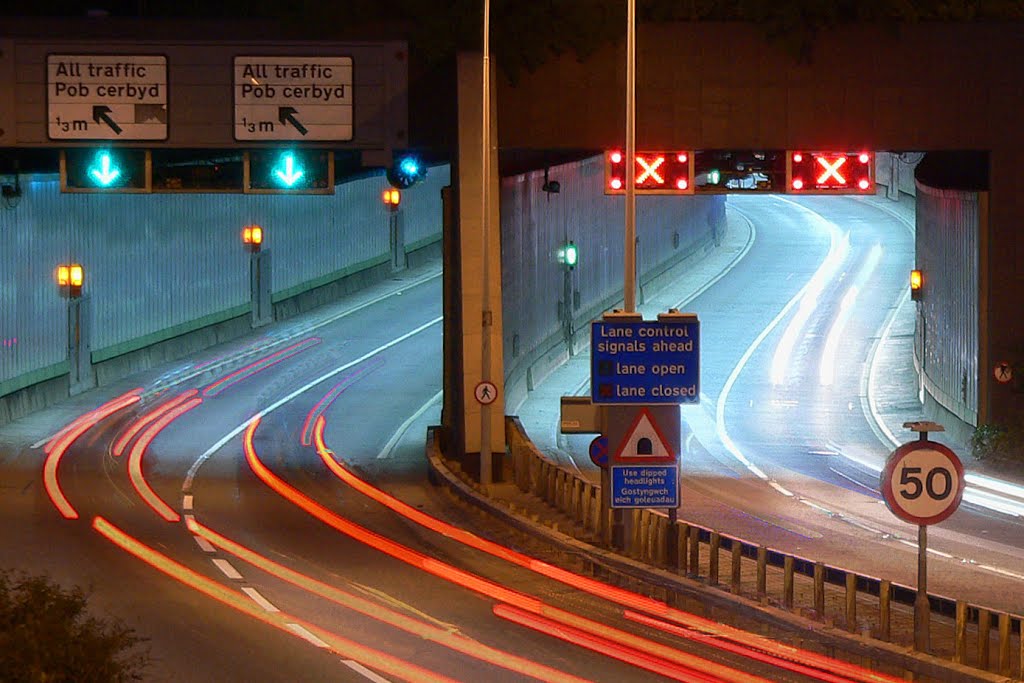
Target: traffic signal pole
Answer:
[[629, 244], [629, 278], [486, 476]]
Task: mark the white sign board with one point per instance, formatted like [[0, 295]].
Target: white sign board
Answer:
[[106, 97], [293, 98]]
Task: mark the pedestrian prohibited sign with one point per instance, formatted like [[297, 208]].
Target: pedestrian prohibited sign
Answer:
[[485, 393], [923, 482]]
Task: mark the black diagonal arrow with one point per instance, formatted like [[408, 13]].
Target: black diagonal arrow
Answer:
[[101, 112], [287, 114]]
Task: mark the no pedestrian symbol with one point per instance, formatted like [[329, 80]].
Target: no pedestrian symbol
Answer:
[[1003, 372], [485, 393]]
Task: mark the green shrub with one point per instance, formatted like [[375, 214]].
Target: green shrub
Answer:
[[47, 636], [998, 442]]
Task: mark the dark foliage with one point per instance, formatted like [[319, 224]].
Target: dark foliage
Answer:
[[47, 635], [526, 34]]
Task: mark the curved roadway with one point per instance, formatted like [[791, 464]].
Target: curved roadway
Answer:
[[216, 507]]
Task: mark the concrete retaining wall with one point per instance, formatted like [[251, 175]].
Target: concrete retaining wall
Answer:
[[167, 275]]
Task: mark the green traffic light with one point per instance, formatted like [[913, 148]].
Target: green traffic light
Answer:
[[714, 176], [572, 255], [569, 255], [288, 172], [103, 171]]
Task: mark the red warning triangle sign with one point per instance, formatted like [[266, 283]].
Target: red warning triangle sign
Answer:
[[644, 441]]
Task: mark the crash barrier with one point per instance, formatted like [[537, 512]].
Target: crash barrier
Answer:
[[972, 635]]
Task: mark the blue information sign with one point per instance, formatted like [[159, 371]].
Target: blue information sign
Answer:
[[645, 486], [645, 361]]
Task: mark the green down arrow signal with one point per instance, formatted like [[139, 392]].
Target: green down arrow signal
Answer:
[[290, 174], [106, 173]]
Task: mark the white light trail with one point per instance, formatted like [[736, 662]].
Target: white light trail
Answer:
[[838, 249], [827, 369]]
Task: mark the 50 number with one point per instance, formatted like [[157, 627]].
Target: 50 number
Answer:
[[937, 490]]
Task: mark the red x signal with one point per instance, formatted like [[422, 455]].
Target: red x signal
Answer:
[[830, 172], [653, 173]]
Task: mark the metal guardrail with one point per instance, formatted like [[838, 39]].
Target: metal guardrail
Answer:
[[817, 590]]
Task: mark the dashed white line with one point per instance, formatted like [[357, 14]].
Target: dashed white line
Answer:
[[778, 487], [303, 632], [227, 568], [259, 599], [186, 502], [862, 525], [204, 544], [359, 668], [815, 506]]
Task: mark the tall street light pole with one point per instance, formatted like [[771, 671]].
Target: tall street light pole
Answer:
[[486, 317], [629, 284]]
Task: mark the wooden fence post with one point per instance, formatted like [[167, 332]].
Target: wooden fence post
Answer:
[[762, 571], [684, 537], [716, 544], [694, 568], [984, 628], [960, 646], [884, 610], [787, 582], [737, 559], [819, 589], [1004, 643], [851, 602]]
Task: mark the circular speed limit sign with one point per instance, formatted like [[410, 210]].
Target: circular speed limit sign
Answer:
[[923, 482]]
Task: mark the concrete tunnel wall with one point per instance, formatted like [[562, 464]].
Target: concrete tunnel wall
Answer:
[[167, 275]]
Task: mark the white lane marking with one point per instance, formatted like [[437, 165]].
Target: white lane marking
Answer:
[[1003, 572], [780, 489], [861, 525], [186, 503], [204, 544], [315, 326], [227, 568], [816, 506], [731, 380], [359, 668], [303, 632], [393, 441], [259, 599], [852, 480], [187, 486], [876, 416]]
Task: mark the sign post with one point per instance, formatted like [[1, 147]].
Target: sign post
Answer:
[[641, 371], [922, 483]]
